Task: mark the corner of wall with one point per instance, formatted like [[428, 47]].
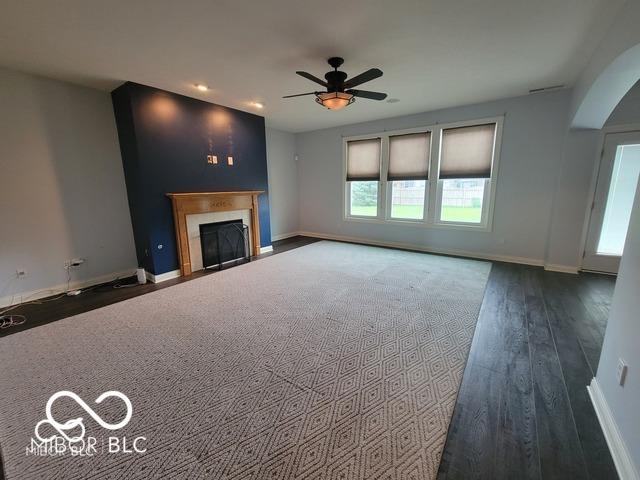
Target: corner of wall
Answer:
[[283, 183]]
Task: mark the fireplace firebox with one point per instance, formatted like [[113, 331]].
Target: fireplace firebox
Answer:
[[224, 244]]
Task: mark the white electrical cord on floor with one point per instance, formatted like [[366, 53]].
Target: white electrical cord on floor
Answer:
[[36, 302], [7, 321], [32, 302]]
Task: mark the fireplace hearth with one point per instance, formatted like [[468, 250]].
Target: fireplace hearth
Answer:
[[224, 243]]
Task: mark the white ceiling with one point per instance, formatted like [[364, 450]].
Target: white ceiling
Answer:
[[434, 53]]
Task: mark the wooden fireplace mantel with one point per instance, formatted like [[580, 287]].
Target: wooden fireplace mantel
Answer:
[[203, 202]]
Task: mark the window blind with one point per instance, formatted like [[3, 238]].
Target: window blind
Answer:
[[363, 160], [467, 152], [409, 156]]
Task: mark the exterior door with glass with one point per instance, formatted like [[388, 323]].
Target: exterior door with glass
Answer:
[[611, 210]]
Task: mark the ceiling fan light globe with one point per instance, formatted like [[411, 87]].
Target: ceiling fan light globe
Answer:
[[335, 103], [335, 100]]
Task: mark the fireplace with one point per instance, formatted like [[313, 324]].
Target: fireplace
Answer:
[[192, 204], [223, 243]]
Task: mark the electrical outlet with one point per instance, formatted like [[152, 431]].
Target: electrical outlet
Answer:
[[21, 272], [621, 372]]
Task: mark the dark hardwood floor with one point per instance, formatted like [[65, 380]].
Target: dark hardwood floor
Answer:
[[523, 410]]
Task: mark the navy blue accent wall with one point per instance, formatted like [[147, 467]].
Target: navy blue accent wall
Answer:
[[164, 140]]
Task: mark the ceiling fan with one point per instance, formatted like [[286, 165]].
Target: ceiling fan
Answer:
[[340, 91]]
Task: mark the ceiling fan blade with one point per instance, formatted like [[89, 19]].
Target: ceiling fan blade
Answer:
[[367, 94], [308, 76], [363, 77], [300, 95]]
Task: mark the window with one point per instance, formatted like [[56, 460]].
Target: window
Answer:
[[407, 200], [466, 161], [408, 173], [364, 199], [443, 175], [462, 200], [622, 190], [363, 175]]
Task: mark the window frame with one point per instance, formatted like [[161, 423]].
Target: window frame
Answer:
[[433, 186], [346, 191]]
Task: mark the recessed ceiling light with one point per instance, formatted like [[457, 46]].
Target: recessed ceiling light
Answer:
[[201, 87], [258, 104]]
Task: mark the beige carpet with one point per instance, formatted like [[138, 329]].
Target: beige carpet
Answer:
[[331, 361]]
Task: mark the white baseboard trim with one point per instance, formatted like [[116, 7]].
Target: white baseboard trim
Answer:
[[421, 248], [163, 276], [611, 274], [619, 452], [268, 248], [552, 267], [61, 288], [282, 236]]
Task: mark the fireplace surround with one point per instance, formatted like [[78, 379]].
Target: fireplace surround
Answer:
[[202, 202]]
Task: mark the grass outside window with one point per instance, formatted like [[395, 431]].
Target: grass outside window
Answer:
[[452, 214]]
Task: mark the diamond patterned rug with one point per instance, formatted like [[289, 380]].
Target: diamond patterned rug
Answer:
[[330, 361]]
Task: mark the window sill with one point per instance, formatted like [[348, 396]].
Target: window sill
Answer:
[[406, 221], [351, 218], [463, 226], [419, 223]]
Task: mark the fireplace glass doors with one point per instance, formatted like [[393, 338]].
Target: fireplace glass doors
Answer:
[[224, 243]]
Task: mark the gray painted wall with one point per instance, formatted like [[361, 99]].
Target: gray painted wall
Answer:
[[612, 70], [283, 182], [533, 148], [623, 328], [628, 110], [571, 198], [63, 192], [621, 341]]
